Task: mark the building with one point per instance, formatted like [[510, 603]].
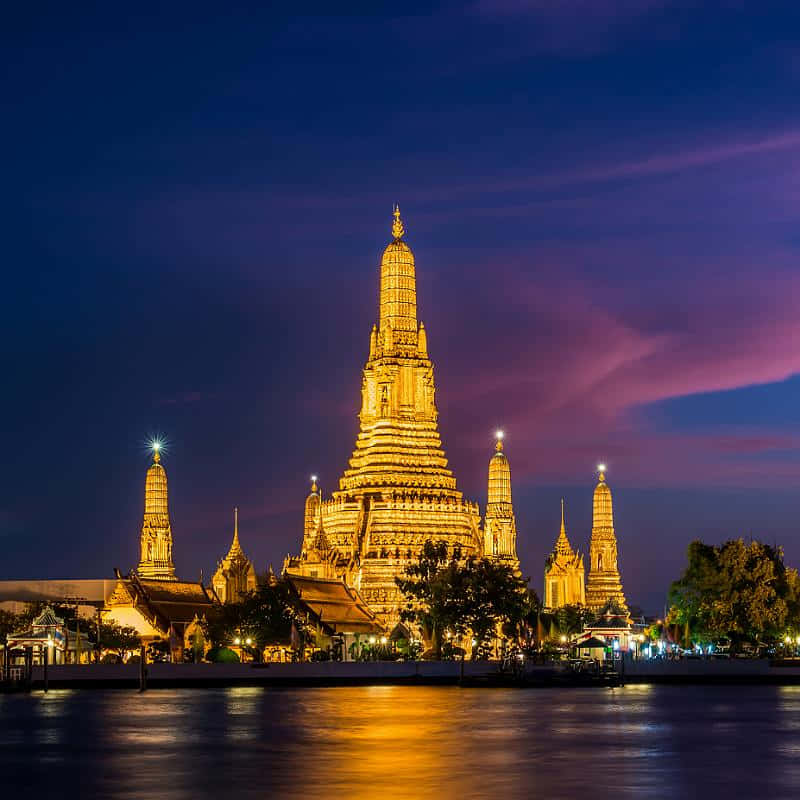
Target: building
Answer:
[[398, 490], [604, 584], [151, 599], [336, 611], [155, 561], [564, 573], [49, 637], [235, 573], [500, 528]]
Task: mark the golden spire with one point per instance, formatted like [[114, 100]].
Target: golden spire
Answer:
[[499, 474], [236, 529], [155, 561], [314, 487], [397, 226], [562, 543]]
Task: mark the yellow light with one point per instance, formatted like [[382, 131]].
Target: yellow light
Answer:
[[372, 640], [798, 640], [237, 640], [383, 640], [500, 435], [248, 640], [563, 639], [788, 639], [601, 467]]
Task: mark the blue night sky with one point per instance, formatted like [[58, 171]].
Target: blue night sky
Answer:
[[604, 203]]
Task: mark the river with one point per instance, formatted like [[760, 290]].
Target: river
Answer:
[[409, 742]]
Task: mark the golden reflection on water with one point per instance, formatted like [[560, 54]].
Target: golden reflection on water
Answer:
[[409, 742]]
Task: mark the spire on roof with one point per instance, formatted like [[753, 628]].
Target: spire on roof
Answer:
[[397, 226]]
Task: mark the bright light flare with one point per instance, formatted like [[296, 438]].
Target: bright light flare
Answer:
[[601, 467], [500, 435]]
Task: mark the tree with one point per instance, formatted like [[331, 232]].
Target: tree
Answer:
[[9, 623], [119, 638], [431, 586], [494, 597], [570, 619], [264, 615], [444, 593], [742, 592]]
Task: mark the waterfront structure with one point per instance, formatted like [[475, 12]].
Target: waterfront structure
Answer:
[[235, 573], [604, 584], [398, 490], [564, 573], [48, 633], [500, 528], [160, 609], [337, 611], [155, 561]]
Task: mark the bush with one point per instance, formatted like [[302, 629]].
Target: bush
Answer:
[[222, 655]]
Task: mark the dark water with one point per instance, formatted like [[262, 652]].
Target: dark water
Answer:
[[403, 742]]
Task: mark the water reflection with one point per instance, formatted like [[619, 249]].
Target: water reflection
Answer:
[[404, 742]]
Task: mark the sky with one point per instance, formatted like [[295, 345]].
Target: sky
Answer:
[[604, 203]]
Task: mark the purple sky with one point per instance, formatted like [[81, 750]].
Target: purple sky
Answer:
[[603, 199]]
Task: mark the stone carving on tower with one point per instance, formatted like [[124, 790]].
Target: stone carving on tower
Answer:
[[235, 573], [155, 559], [397, 490], [564, 573], [604, 583], [499, 529]]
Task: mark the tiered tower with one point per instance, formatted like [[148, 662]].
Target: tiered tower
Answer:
[[235, 573], [604, 583], [500, 529], [564, 573], [398, 490], [156, 540]]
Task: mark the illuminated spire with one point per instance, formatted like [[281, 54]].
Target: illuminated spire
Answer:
[[499, 475], [562, 543], [235, 546], [155, 559], [398, 327], [604, 582], [397, 226]]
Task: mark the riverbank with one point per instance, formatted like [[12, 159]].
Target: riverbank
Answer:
[[422, 673]]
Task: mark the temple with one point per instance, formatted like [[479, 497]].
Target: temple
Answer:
[[155, 561], [235, 574], [564, 573], [500, 529], [398, 490], [604, 584]]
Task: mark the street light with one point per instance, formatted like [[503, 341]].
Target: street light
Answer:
[[237, 641]]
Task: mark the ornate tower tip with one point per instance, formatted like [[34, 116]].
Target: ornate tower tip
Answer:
[[499, 435], [397, 226], [314, 483], [601, 468]]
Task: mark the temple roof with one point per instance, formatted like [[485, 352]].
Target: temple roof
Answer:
[[334, 605], [169, 602]]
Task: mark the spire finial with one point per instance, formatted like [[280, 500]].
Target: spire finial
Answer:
[[499, 435], [563, 526], [601, 468], [314, 488], [397, 226], [236, 525], [155, 446]]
